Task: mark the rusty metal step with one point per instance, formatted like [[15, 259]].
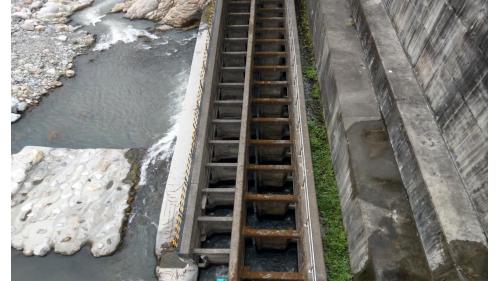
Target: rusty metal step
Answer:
[[217, 197], [270, 54], [226, 121], [231, 85], [232, 68], [224, 142], [271, 83], [270, 18], [236, 26], [234, 14], [271, 40], [273, 120], [286, 198], [269, 275], [277, 168], [221, 165], [234, 53], [236, 39], [219, 190], [270, 67], [239, 2], [261, 29], [270, 233], [213, 255], [270, 9], [271, 142], [228, 102], [279, 101]]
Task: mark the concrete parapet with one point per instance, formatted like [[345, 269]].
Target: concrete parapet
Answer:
[[172, 267]]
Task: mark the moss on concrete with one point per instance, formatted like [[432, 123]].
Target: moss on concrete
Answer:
[[333, 233]]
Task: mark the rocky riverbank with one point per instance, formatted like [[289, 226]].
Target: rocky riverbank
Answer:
[[44, 44], [43, 47]]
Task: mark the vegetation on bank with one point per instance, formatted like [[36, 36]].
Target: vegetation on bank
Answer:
[[333, 234]]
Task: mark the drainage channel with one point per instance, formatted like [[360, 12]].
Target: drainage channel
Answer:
[[251, 203]]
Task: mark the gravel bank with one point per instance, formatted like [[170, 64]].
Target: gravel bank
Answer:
[[43, 48]]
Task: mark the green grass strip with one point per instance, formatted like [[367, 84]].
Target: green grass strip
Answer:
[[333, 234]]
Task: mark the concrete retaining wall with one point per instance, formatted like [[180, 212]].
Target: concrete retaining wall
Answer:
[[446, 43], [441, 185], [448, 225], [382, 237]]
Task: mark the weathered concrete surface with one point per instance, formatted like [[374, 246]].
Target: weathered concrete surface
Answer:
[[447, 45], [174, 268], [66, 198], [383, 240], [171, 267], [443, 212], [172, 210]]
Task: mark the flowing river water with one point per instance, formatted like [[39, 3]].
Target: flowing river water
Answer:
[[126, 94]]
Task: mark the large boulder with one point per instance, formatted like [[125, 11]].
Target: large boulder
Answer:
[[177, 13], [140, 8]]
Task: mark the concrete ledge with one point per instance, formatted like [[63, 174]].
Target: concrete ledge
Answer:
[[383, 239], [313, 245], [451, 234]]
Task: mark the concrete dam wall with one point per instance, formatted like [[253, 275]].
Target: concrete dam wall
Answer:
[[446, 43], [404, 91]]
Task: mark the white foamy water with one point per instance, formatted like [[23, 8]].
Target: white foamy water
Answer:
[[119, 31], [163, 148], [111, 28]]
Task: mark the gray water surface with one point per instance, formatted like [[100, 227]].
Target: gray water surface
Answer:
[[122, 97]]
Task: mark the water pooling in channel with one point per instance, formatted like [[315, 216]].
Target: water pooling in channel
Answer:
[[127, 95]]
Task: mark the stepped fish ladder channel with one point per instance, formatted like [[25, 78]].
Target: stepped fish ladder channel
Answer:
[[127, 94]]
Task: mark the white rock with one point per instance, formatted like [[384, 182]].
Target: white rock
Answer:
[[70, 73], [80, 211], [21, 15], [21, 106], [164, 27], [13, 104], [118, 8], [28, 25], [140, 8], [62, 28], [39, 28], [36, 5], [187, 273], [172, 12], [62, 38], [14, 117], [50, 9]]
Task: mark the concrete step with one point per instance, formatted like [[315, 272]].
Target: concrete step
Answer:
[[383, 239], [440, 203]]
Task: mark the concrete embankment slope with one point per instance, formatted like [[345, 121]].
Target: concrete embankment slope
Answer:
[[407, 209]]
